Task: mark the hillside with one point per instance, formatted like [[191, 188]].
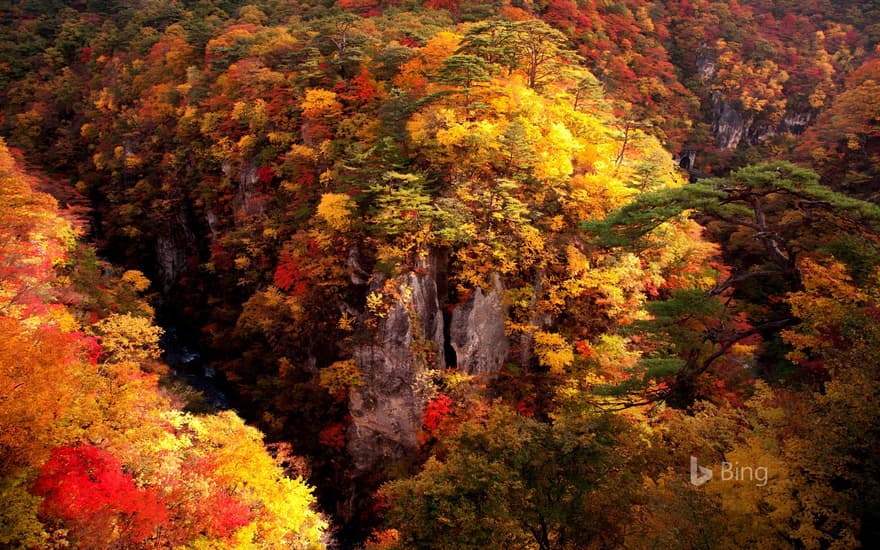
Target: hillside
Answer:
[[496, 272], [98, 449]]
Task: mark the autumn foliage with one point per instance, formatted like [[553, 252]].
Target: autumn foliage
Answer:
[[86, 488], [437, 412], [532, 256], [93, 452]]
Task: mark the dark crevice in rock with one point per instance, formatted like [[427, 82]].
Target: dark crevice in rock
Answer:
[[449, 354]]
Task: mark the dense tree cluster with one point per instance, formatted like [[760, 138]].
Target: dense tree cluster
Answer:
[[94, 452], [316, 188]]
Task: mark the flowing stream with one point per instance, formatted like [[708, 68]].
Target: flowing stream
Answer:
[[187, 365]]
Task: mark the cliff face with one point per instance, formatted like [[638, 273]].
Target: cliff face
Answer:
[[728, 124], [248, 200], [476, 332], [406, 346], [176, 239], [796, 123], [731, 127], [173, 245], [706, 63], [394, 366]]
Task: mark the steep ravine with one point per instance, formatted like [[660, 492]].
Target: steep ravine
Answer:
[[418, 337]]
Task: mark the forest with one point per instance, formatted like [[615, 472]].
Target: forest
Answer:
[[405, 274]]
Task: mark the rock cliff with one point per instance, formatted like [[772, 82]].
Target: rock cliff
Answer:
[[407, 345], [476, 332], [386, 411]]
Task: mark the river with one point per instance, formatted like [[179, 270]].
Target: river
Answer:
[[186, 364]]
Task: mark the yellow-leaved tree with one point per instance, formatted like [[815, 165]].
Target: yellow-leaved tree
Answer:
[[337, 209]]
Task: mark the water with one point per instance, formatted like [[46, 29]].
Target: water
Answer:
[[187, 366]]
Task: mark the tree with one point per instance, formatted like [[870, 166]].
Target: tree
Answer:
[[340, 35], [842, 144], [128, 338], [543, 50], [337, 210], [532, 46], [464, 71], [223, 461], [86, 488], [814, 435], [834, 476], [34, 241], [782, 208], [512, 481], [92, 452]]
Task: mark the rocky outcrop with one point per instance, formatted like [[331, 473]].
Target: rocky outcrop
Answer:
[[796, 123], [706, 65], [792, 122], [173, 244], [249, 201], [407, 344], [357, 274], [728, 124], [686, 159], [386, 411], [213, 223], [476, 332], [731, 127]]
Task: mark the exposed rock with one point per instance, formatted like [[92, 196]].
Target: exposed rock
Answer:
[[213, 222], [706, 66], [356, 273], [476, 332], [387, 409], [760, 133], [169, 258], [172, 245], [249, 201], [731, 127], [425, 305], [686, 158], [795, 123], [728, 124]]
